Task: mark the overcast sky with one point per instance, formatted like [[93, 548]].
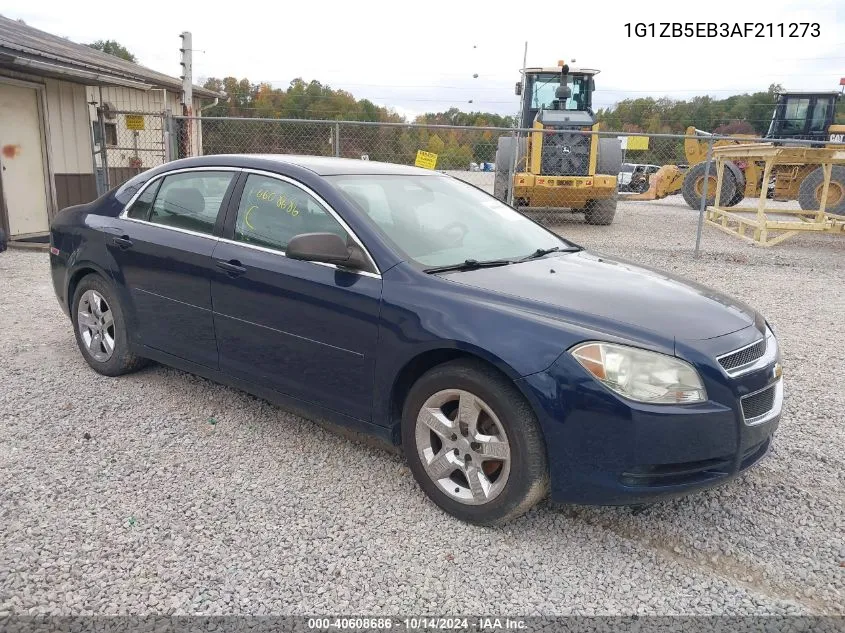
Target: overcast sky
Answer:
[[421, 56]]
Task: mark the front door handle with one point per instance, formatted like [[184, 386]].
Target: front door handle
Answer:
[[123, 242], [233, 267]]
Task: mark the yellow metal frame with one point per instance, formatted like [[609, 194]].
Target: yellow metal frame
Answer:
[[594, 150], [535, 161], [738, 221]]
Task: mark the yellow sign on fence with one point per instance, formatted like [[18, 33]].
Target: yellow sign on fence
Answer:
[[134, 121], [426, 160], [637, 142]]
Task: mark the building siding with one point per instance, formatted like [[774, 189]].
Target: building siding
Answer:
[[70, 131]]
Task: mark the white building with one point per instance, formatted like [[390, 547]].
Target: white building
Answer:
[[50, 90]]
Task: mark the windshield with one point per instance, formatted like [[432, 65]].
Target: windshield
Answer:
[[441, 221], [545, 85]]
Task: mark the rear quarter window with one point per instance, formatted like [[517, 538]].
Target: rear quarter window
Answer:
[[124, 193]]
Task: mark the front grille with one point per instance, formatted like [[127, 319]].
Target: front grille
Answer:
[[758, 404], [565, 154], [744, 356]]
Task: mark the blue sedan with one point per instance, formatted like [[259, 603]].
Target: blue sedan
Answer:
[[508, 362]]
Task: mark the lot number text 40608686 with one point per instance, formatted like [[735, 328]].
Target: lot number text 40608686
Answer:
[[723, 29]]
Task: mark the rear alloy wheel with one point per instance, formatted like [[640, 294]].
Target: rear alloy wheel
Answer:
[[95, 321], [100, 328], [474, 444]]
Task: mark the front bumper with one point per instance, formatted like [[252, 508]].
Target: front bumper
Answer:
[[606, 450]]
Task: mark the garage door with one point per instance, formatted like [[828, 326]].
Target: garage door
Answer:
[[22, 161]]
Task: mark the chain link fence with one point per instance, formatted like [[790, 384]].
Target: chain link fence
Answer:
[[555, 176], [127, 143]]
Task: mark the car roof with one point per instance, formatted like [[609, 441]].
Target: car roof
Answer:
[[320, 165]]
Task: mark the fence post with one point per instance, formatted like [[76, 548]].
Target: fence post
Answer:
[[703, 206], [104, 160], [337, 139], [166, 127], [512, 169]]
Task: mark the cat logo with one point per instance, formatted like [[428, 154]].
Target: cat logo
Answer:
[[565, 149], [837, 138]]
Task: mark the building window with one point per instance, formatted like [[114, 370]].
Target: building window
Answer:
[[111, 133]]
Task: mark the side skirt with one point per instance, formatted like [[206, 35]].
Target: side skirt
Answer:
[[351, 428]]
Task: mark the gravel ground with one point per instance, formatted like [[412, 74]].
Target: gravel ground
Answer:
[[160, 492]]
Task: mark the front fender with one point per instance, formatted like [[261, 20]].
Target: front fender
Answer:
[[422, 313]]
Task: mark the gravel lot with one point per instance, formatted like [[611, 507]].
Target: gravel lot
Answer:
[[160, 492]]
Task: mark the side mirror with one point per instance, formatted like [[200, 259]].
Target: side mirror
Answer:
[[328, 248], [517, 90]]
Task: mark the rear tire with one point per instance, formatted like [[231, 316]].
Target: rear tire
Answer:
[[739, 177], [504, 165], [474, 444], [692, 187], [99, 325], [609, 159], [600, 212], [810, 190]]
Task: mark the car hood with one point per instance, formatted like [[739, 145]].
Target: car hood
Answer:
[[587, 284]]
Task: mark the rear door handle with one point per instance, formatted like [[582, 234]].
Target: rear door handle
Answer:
[[122, 242], [233, 267]]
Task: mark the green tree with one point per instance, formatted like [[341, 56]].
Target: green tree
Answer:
[[435, 144], [113, 47]]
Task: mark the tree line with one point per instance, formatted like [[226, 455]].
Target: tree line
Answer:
[[314, 100]]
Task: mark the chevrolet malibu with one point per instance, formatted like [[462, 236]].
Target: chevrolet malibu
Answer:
[[507, 362]]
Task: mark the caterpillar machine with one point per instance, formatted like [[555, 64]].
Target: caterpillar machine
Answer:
[[560, 166], [797, 115]]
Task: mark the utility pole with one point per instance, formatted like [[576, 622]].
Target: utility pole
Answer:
[[187, 93]]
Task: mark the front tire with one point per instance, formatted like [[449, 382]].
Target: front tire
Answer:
[[601, 212], [100, 328], [473, 443]]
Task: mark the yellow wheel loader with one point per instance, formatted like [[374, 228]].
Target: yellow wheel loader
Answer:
[[559, 166], [797, 115]]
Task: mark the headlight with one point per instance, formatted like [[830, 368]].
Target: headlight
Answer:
[[641, 375]]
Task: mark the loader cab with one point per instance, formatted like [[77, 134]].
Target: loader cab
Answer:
[[803, 115], [550, 89]]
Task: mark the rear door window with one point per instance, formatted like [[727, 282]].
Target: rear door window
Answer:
[[191, 200]]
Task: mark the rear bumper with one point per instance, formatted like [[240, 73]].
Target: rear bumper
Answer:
[[605, 450], [58, 273]]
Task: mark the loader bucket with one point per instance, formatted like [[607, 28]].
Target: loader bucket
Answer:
[[664, 182]]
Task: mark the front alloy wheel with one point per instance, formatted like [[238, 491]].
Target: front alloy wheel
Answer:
[[463, 446], [473, 443]]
